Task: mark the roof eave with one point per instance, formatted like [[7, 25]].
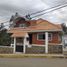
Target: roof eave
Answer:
[[46, 31]]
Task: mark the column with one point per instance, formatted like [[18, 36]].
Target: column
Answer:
[[24, 45], [46, 42], [14, 45]]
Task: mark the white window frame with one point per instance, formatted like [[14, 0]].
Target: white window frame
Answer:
[[51, 36], [44, 39], [38, 36]]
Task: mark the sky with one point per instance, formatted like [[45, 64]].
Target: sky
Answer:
[[24, 7]]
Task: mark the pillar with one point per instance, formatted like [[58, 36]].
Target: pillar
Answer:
[[14, 45], [24, 45], [46, 42]]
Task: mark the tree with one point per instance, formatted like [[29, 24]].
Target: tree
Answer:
[[5, 39], [64, 27], [1, 26]]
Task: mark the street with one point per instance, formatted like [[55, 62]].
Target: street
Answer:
[[33, 62]]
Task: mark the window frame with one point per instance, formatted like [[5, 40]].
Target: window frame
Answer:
[[38, 37], [51, 36], [44, 39]]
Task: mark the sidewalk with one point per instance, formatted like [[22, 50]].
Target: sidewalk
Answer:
[[32, 55]]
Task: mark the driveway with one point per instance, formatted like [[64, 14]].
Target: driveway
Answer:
[[32, 62]]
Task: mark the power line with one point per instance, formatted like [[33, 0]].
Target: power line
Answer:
[[34, 14], [50, 11], [46, 12], [39, 12], [5, 22], [55, 8]]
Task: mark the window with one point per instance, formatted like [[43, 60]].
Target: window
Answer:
[[22, 25], [50, 36], [65, 42], [41, 36]]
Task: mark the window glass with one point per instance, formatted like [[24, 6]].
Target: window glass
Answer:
[[41, 36], [22, 25]]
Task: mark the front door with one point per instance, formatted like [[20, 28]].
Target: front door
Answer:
[[19, 44], [19, 48]]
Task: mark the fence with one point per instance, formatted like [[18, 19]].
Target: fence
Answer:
[[52, 49], [6, 49]]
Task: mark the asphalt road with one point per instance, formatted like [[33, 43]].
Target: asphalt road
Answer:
[[32, 62]]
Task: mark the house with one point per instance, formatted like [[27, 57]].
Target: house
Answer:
[[36, 36]]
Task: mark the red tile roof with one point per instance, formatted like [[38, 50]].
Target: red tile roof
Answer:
[[40, 25], [19, 34]]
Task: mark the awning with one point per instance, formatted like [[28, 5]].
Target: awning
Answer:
[[20, 34]]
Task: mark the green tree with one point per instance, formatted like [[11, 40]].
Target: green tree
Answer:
[[64, 28], [5, 39]]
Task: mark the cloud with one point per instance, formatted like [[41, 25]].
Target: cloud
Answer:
[[54, 2], [23, 7], [9, 7]]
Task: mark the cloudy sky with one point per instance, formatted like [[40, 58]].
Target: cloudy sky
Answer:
[[23, 7]]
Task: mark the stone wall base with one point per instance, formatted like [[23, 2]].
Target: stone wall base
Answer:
[[57, 49], [35, 49], [52, 49], [6, 50]]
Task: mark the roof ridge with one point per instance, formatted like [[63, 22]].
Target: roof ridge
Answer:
[[54, 25], [51, 23], [41, 20]]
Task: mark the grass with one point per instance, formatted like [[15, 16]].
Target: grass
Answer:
[[31, 56]]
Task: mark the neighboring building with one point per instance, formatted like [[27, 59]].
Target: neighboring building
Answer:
[[65, 44], [36, 36]]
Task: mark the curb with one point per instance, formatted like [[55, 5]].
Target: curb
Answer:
[[31, 56]]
